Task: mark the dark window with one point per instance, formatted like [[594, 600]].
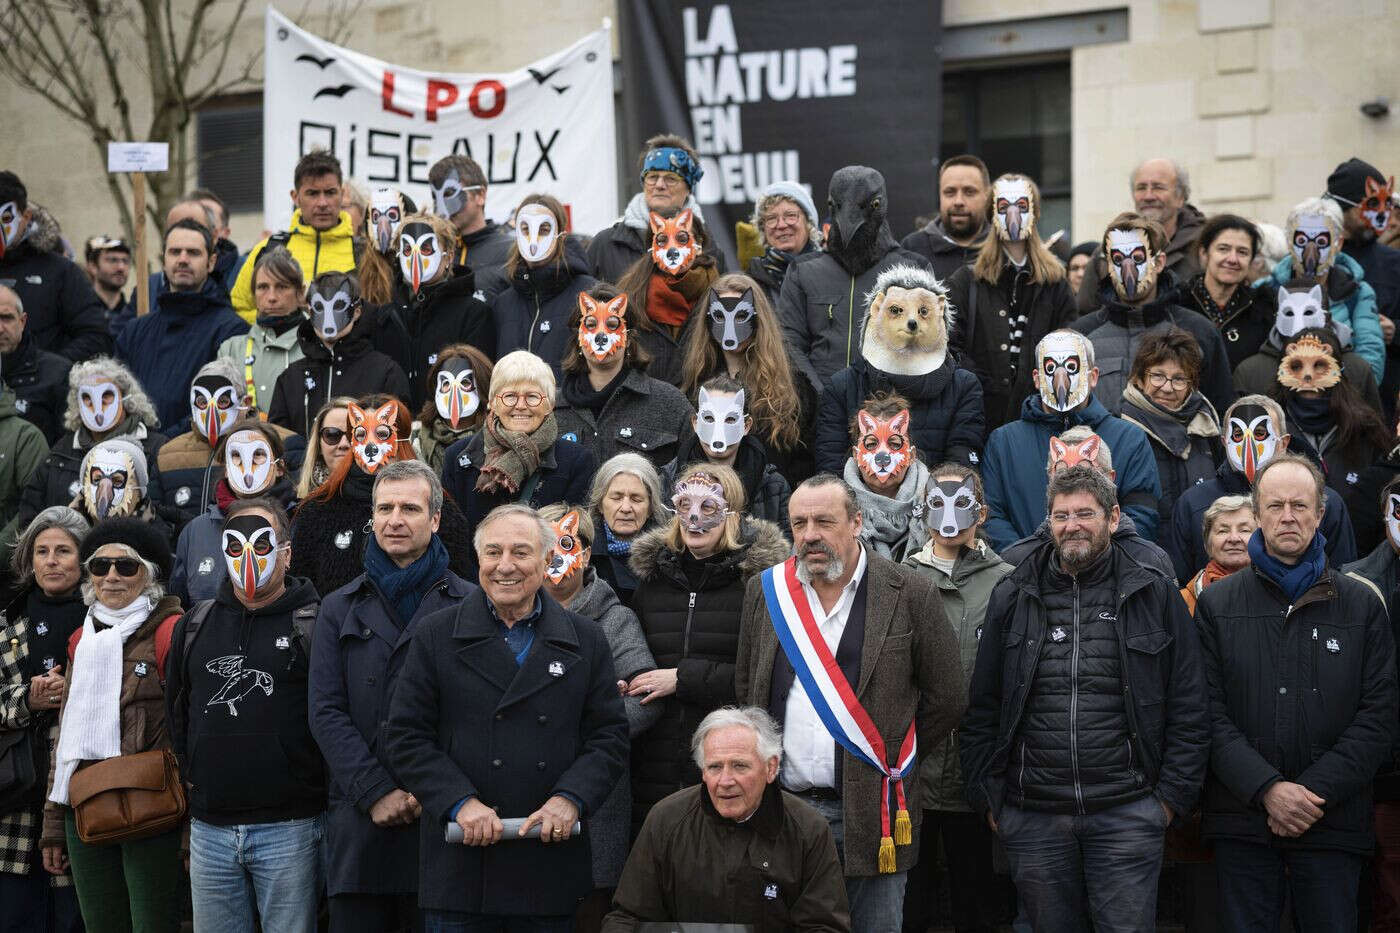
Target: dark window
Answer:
[[1016, 120], [229, 140]]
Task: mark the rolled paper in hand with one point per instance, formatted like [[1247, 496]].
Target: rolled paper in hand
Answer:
[[510, 831]]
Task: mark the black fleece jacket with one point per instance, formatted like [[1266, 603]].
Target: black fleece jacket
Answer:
[[236, 706]]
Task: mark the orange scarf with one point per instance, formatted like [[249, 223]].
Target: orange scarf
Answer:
[[1192, 591]]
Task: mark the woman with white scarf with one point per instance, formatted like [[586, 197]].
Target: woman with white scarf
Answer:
[[114, 704]]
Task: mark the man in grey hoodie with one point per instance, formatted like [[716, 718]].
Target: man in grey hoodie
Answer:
[[951, 240]]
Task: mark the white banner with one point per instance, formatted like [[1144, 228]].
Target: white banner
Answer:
[[546, 128]]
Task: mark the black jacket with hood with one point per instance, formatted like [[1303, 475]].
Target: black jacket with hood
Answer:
[[532, 313], [65, 314], [1300, 690], [236, 704], [350, 366], [943, 253], [441, 313], [1117, 328], [1162, 686], [1244, 322], [692, 626], [982, 332], [1363, 499]]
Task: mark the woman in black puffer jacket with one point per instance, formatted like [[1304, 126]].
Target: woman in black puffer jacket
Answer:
[[692, 575], [533, 314]]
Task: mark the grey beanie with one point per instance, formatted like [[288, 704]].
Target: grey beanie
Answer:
[[793, 192]]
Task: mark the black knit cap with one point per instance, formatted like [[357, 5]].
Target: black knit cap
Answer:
[[1348, 180], [136, 534]]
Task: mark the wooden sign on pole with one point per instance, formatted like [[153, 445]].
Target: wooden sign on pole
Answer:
[[136, 159]]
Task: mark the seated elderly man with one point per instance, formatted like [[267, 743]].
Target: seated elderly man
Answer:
[[739, 850]]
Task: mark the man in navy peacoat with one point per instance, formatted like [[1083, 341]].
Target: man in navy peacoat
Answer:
[[507, 707]]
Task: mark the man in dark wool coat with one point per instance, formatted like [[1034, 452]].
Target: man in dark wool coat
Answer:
[[507, 707]]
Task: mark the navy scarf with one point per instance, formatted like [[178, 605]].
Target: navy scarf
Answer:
[[1293, 580], [403, 588]]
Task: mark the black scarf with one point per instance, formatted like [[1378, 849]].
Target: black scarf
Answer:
[[1239, 300], [359, 485], [279, 324], [579, 392], [1312, 413]]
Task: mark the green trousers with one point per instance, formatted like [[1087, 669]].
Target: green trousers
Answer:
[[131, 887]]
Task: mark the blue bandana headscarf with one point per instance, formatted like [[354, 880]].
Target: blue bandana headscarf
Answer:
[[670, 159]]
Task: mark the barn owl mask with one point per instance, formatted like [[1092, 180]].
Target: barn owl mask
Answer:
[[420, 254], [1013, 208], [535, 232], [99, 406], [1131, 263], [1064, 370], [248, 462]]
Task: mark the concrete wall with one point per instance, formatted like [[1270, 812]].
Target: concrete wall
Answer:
[[1257, 98]]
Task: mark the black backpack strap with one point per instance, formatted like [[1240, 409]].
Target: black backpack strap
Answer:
[[304, 624], [189, 631]]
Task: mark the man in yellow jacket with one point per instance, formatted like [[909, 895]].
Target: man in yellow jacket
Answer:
[[321, 237]]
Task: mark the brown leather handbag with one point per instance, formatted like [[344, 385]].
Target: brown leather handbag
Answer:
[[128, 797]]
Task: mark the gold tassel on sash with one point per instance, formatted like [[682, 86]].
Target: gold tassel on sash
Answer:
[[903, 828], [887, 860]]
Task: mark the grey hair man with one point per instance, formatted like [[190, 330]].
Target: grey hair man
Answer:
[[1161, 191], [738, 805], [885, 632], [1077, 734]]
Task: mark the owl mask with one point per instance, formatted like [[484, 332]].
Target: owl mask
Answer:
[[1013, 208], [99, 406], [567, 557], [248, 462], [1131, 263], [214, 407], [602, 328], [535, 232], [455, 395], [883, 451], [731, 319], [1250, 440], [1064, 373], [1308, 366], [250, 552], [420, 254]]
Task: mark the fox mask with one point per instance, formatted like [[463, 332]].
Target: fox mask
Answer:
[[1063, 455], [602, 328], [883, 451], [673, 243], [373, 435]]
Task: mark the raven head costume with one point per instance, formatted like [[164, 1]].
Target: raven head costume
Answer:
[[859, 208]]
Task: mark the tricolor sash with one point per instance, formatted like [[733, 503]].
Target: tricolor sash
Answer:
[[835, 700]]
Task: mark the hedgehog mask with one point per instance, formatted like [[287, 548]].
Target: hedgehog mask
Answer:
[[907, 322]]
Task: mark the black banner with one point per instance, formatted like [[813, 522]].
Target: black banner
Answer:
[[777, 90]]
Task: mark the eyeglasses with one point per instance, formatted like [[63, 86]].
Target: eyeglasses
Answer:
[[1082, 516], [101, 566], [511, 399], [785, 219], [1158, 379], [331, 435], [662, 179]]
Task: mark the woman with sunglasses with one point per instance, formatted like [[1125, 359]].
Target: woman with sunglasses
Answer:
[[1163, 397], [518, 455], [34, 635], [692, 573], [328, 442], [123, 641]]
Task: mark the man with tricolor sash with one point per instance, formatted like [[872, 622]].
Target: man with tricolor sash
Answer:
[[854, 656], [1087, 730]]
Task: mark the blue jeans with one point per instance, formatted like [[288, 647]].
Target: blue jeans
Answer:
[[452, 921], [1103, 865], [1253, 878], [271, 871], [877, 901]]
